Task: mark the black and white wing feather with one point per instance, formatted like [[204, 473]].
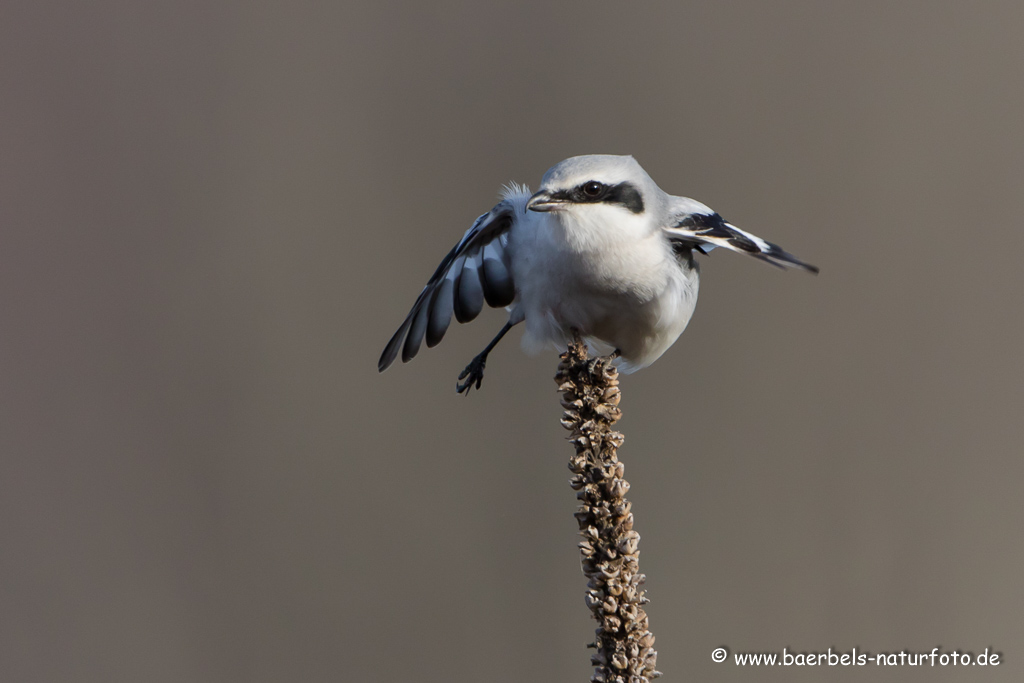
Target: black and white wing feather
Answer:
[[696, 226], [476, 270]]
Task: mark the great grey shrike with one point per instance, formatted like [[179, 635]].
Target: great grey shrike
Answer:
[[600, 250]]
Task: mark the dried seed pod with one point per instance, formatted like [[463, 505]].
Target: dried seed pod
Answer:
[[618, 487], [573, 404], [610, 545], [608, 411], [628, 542]]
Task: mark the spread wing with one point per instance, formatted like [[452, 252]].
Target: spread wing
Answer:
[[476, 270], [696, 226]]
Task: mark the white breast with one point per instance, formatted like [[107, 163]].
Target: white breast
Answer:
[[605, 273]]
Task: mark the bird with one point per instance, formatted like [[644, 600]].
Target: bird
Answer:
[[599, 252]]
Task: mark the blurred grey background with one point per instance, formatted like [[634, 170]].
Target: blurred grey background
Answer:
[[213, 215]]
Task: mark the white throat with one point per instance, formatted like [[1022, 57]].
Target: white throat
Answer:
[[600, 226]]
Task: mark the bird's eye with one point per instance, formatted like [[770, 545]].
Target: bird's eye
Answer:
[[593, 188]]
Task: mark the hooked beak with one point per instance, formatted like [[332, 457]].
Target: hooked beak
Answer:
[[543, 201]]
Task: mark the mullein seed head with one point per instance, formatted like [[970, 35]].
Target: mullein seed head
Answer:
[[610, 547]]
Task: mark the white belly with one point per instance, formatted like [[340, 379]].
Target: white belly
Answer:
[[631, 295]]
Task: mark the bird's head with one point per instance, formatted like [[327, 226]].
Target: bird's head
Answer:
[[596, 180]]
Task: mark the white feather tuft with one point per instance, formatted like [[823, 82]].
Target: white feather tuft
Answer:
[[515, 191]]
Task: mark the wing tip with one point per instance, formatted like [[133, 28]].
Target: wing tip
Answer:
[[778, 256], [387, 357], [786, 264], [789, 259], [390, 352]]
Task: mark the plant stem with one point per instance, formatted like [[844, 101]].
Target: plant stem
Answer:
[[610, 554]]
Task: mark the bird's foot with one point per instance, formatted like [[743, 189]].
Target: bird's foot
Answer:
[[473, 374], [599, 362]]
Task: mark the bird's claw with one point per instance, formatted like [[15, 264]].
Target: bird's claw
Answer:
[[600, 361], [473, 374]]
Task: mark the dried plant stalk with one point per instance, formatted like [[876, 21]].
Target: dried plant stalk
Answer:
[[610, 554]]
